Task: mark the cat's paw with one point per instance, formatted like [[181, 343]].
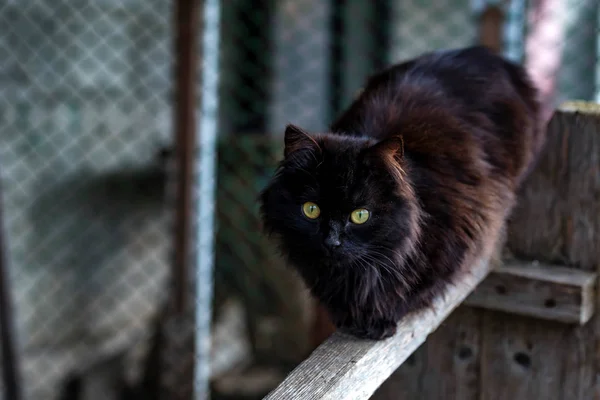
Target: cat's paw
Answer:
[[376, 331]]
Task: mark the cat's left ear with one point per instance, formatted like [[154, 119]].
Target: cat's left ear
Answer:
[[297, 138]]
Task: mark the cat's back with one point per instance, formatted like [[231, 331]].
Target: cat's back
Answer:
[[453, 101], [470, 76], [462, 81], [492, 98]]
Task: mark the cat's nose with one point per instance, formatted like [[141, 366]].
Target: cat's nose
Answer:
[[332, 242]]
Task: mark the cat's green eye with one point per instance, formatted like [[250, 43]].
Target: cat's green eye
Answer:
[[311, 210], [360, 216]]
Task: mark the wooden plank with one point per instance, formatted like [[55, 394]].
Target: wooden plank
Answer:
[[519, 358], [406, 381], [577, 127], [538, 290], [451, 368], [556, 220], [348, 368]]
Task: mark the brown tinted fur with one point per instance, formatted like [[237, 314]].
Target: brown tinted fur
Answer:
[[436, 149]]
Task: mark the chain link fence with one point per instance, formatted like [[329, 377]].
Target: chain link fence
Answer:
[[84, 103], [86, 106]]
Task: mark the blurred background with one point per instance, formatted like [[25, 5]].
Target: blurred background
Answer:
[[120, 120]]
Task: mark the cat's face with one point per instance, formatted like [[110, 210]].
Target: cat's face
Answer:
[[335, 204]]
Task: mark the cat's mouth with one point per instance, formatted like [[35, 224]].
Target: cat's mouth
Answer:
[[338, 259]]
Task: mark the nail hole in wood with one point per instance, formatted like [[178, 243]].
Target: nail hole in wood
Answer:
[[550, 303], [522, 359], [500, 289], [465, 353]]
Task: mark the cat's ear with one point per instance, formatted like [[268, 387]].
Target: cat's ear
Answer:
[[392, 146], [391, 152], [297, 138]]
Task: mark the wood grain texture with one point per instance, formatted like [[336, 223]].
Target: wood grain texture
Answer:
[[446, 366], [452, 365], [557, 216], [557, 220], [538, 290], [348, 368], [406, 380], [522, 360]]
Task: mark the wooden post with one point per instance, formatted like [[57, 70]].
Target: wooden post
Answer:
[[10, 365], [558, 208], [557, 220]]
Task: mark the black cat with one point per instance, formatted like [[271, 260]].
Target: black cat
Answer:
[[410, 184]]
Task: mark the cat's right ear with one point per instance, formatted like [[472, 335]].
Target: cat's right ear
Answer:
[[297, 139], [391, 152], [392, 146]]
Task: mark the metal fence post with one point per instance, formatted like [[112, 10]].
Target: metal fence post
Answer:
[[205, 204], [10, 365]]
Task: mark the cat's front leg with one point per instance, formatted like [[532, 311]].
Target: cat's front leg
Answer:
[[373, 330]]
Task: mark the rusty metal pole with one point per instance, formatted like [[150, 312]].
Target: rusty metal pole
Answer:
[[186, 32], [491, 22], [177, 347], [10, 365]]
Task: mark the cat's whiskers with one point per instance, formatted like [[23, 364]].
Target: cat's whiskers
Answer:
[[400, 258], [372, 265], [378, 264], [359, 262], [379, 254], [392, 272]]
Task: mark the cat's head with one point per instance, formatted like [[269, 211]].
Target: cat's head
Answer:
[[341, 203]]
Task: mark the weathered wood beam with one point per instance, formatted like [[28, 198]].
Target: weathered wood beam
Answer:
[[557, 220], [538, 290], [557, 217], [344, 367]]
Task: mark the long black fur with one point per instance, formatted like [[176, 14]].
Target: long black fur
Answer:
[[435, 148]]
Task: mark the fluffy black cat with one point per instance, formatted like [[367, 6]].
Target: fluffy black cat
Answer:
[[409, 185]]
